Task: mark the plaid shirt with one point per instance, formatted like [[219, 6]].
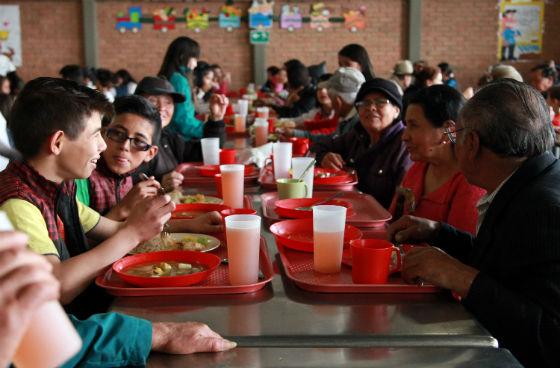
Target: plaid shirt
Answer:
[[57, 203], [106, 188]]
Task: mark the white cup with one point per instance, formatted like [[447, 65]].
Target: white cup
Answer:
[[261, 131], [262, 112], [328, 238], [232, 185], [243, 239], [243, 106], [299, 164], [282, 152], [239, 123], [210, 151]]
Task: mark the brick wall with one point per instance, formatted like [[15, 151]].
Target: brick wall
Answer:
[[460, 32], [52, 36]]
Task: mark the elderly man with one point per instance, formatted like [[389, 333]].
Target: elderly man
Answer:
[[508, 276]]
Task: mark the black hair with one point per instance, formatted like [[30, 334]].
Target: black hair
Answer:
[[201, 70], [298, 76], [423, 76], [140, 106], [554, 92], [325, 77], [72, 72], [440, 103], [16, 83], [104, 77], [445, 68], [178, 54], [89, 73], [292, 63], [273, 70], [47, 105], [546, 71], [125, 76], [6, 103], [359, 54]]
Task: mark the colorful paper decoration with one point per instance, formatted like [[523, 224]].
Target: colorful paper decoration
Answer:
[[130, 22], [319, 17], [355, 19], [290, 18], [164, 19], [261, 14], [197, 20], [230, 17], [259, 37]]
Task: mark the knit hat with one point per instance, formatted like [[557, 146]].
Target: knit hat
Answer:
[[346, 83], [403, 67], [158, 86], [384, 86]]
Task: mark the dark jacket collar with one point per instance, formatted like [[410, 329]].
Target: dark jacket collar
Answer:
[[386, 135]]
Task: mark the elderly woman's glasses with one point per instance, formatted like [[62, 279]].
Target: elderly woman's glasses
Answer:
[[452, 134], [120, 137], [379, 103]]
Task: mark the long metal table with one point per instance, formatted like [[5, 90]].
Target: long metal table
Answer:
[[283, 315], [343, 357]]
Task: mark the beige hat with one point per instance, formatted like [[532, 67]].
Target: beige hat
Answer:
[[505, 71], [403, 67]]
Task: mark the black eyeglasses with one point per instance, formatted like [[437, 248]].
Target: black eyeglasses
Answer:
[[452, 134], [120, 137], [378, 102]]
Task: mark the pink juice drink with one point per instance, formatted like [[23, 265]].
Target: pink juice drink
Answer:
[[50, 339], [327, 254], [242, 234], [239, 123], [328, 238], [261, 135], [232, 185]]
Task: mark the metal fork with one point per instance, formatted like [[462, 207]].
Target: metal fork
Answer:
[[164, 235]]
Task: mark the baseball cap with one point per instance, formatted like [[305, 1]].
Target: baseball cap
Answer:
[[346, 83], [403, 67], [158, 86]]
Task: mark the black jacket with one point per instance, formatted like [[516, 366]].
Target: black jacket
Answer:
[[380, 167], [173, 150], [516, 295], [307, 101]]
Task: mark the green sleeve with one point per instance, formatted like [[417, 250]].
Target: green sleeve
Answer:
[[112, 340], [82, 191], [184, 122]]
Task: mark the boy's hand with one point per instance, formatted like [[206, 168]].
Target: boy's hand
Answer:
[[172, 180], [210, 222], [149, 216], [140, 191], [218, 104]]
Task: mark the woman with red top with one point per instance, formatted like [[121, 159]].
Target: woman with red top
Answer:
[[434, 187]]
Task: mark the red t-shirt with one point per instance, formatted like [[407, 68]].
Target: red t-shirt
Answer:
[[556, 120], [454, 202]]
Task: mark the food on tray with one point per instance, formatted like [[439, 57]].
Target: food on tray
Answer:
[[196, 242], [324, 174], [194, 198], [163, 269]]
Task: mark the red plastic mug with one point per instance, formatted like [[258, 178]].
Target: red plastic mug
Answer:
[[373, 261], [227, 156], [300, 146]]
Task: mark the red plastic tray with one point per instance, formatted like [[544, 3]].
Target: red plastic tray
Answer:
[[368, 212], [266, 179], [216, 283], [298, 267], [287, 208], [211, 170], [192, 176], [340, 176]]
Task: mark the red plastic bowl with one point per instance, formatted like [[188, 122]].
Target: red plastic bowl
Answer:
[[287, 207], [211, 170], [340, 176], [211, 261], [194, 209], [298, 234], [237, 211]]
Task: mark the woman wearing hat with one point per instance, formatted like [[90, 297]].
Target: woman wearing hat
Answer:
[[173, 149], [374, 147], [434, 187]]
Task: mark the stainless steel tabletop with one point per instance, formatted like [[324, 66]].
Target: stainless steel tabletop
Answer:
[[283, 315], [343, 357]]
